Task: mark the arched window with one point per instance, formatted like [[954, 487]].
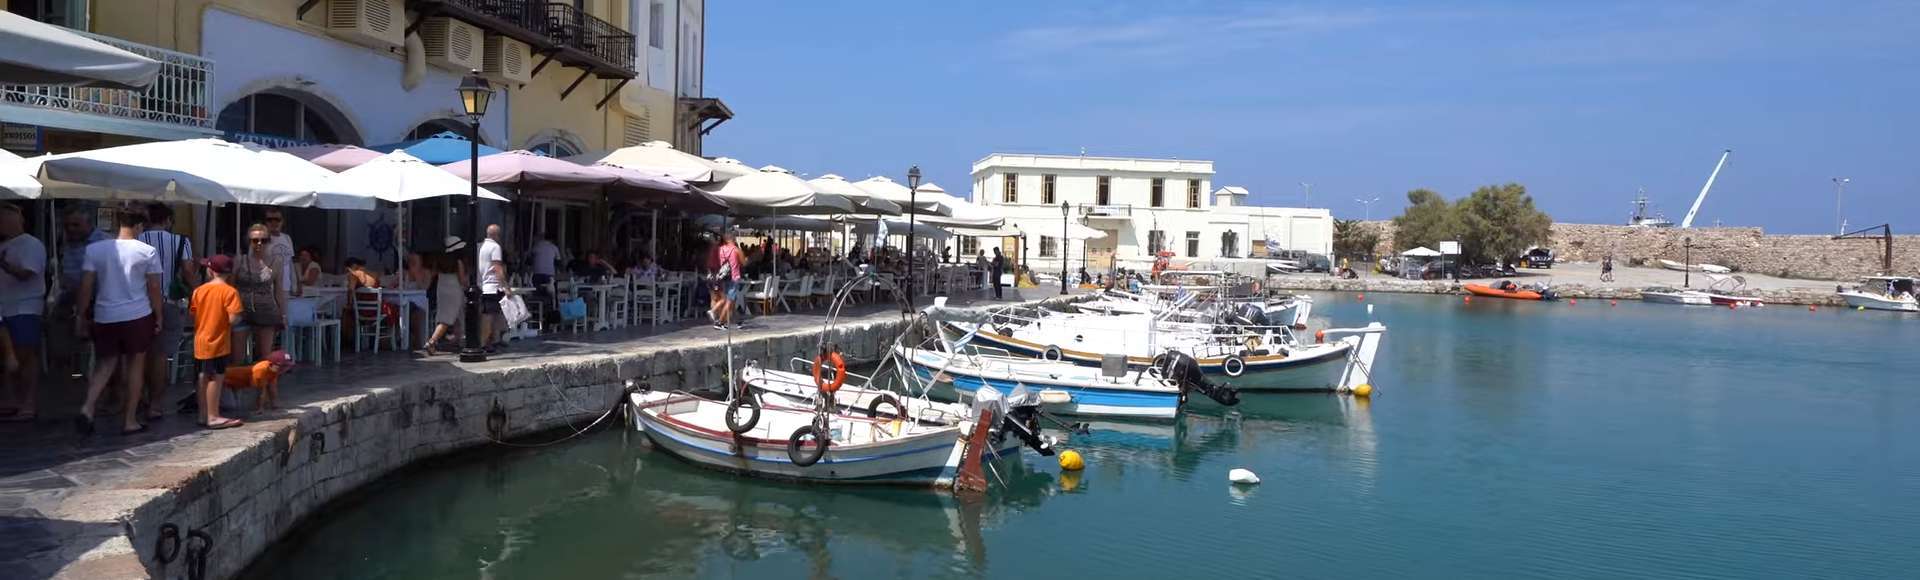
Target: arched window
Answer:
[[555, 148], [438, 126], [282, 118]]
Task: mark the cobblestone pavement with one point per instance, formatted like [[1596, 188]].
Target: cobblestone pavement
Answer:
[[65, 498]]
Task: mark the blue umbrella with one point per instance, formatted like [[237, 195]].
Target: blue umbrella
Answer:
[[443, 148]]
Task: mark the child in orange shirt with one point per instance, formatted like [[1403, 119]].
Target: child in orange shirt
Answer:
[[216, 308]]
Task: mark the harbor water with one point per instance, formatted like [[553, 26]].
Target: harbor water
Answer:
[[1506, 439]]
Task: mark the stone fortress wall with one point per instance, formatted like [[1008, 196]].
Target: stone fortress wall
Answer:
[[1745, 249]]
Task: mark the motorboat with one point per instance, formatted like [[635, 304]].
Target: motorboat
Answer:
[[1666, 295], [799, 388], [1254, 355], [1508, 289], [1062, 388], [1724, 290], [1894, 293], [1292, 310], [1708, 268]]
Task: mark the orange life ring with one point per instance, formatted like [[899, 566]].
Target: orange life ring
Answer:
[[839, 372], [1320, 336]]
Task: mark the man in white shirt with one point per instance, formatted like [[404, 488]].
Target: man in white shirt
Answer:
[[544, 256], [492, 279], [280, 249], [123, 277], [178, 275], [23, 296]]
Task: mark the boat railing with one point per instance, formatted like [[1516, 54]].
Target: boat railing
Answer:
[[804, 366]]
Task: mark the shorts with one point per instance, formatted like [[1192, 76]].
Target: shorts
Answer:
[[542, 280], [123, 338], [213, 366], [490, 303], [24, 329], [732, 289]]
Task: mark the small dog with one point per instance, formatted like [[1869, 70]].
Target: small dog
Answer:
[[263, 375]]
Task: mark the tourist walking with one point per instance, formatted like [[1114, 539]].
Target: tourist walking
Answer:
[[178, 276], [216, 310], [122, 276], [262, 293], [492, 278], [65, 350], [449, 290], [1606, 268], [23, 296], [999, 267], [727, 275]]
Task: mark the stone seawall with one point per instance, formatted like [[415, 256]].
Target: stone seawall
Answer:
[[245, 488], [1803, 296], [1808, 257]]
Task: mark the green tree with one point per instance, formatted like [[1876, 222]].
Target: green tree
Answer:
[[1354, 239], [1497, 222], [1427, 220]]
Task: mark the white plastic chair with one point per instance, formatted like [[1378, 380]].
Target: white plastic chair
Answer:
[[801, 291], [764, 292], [620, 299], [309, 335], [370, 323], [824, 287], [645, 298]]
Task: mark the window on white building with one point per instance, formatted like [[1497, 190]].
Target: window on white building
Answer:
[[1156, 241], [1010, 189], [657, 25], [1230, 244], [1193, 193], [1046, 189], [969, 247], [1159, 192], [1193, 244], [1103, 191], [1049, 246]]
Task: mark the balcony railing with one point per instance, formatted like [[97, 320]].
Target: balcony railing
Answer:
[[175, 105], [553, 29], [1119, 211]]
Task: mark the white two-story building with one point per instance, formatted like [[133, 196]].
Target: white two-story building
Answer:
[[1143, 206]]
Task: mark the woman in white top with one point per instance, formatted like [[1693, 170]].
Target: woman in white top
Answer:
[[449, 295]]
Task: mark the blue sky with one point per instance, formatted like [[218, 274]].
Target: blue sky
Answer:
[[1581, 102]]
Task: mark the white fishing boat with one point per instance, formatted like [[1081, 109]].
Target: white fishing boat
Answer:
[[1892, 293], [1665, 295], [1062, 388], [1679, 267], [799, 388]]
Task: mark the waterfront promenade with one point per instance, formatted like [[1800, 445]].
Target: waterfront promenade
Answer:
[[1579, 281], [109, 506]]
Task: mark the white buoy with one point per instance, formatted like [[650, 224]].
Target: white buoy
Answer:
[[1241, 475]]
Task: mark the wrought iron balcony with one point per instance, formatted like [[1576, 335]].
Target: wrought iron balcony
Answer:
[[175, 106], [556, 31]]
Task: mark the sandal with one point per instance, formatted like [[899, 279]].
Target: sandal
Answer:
[[141, 429], [224, 423]]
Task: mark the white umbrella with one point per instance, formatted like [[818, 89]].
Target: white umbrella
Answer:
[[791, 223], [399, 177], [869, 204], [35, 53], [883, 188], [194, 170], [1421, 252], [897, 227], [960, 213], [659, 158], [15, 181], [775, 190]]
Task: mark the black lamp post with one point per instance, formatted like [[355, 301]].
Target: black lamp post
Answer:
[[1063, 247], [913, 203], [475, 94]]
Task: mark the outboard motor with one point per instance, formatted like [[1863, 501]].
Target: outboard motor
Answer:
[[1022, 419], [1253, 314], [1185, 372]]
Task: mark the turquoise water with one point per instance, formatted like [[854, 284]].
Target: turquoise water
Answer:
[[1507, 439]]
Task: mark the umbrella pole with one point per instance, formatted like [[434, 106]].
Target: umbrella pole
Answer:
[[653, 235]]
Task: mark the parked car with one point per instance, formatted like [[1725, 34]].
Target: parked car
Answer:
[[1537, 257]]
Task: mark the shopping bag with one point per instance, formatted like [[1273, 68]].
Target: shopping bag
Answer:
[[514, 309], [574, 309]]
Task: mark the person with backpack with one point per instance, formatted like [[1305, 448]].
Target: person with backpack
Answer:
[[179, 274]]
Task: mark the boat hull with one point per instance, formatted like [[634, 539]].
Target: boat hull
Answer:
[[1681, 298], [1491, 292], [1087, 398], [1307, 368], [1874, 302], [927, 458]]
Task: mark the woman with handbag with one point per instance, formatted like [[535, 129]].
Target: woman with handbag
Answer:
[[264, 301]]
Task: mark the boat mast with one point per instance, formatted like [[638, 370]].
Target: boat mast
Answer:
[[1688, 222]]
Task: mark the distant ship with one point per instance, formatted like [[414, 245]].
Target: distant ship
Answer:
[[1641, 219]]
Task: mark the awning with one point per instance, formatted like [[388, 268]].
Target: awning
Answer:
[[440, 149], [883, 188], [532, 173], [773, 190], [1421, 252], [194, 170], [36, 53], [898, 227], [659, 157], [790, 223], [868, 204], [15, 181]]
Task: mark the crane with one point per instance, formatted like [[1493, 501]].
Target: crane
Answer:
[[1688, 222]]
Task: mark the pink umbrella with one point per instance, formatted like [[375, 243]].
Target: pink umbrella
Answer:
[[334, 157], [646, 188], [533, 173]]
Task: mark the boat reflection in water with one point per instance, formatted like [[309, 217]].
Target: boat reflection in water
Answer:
[[609, 506], [1200, 434]]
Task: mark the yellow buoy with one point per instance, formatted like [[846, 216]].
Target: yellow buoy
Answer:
[[1860, 308], [1070, 461], [1363, 390]]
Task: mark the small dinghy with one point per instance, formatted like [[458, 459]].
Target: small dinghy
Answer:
[[1509, 290]]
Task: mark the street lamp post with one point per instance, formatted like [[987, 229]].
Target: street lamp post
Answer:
[[475, 94], [1686, 262], [913, 203], [1063, 247], [1308, 188], [1366, 206], [1839, 187]]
